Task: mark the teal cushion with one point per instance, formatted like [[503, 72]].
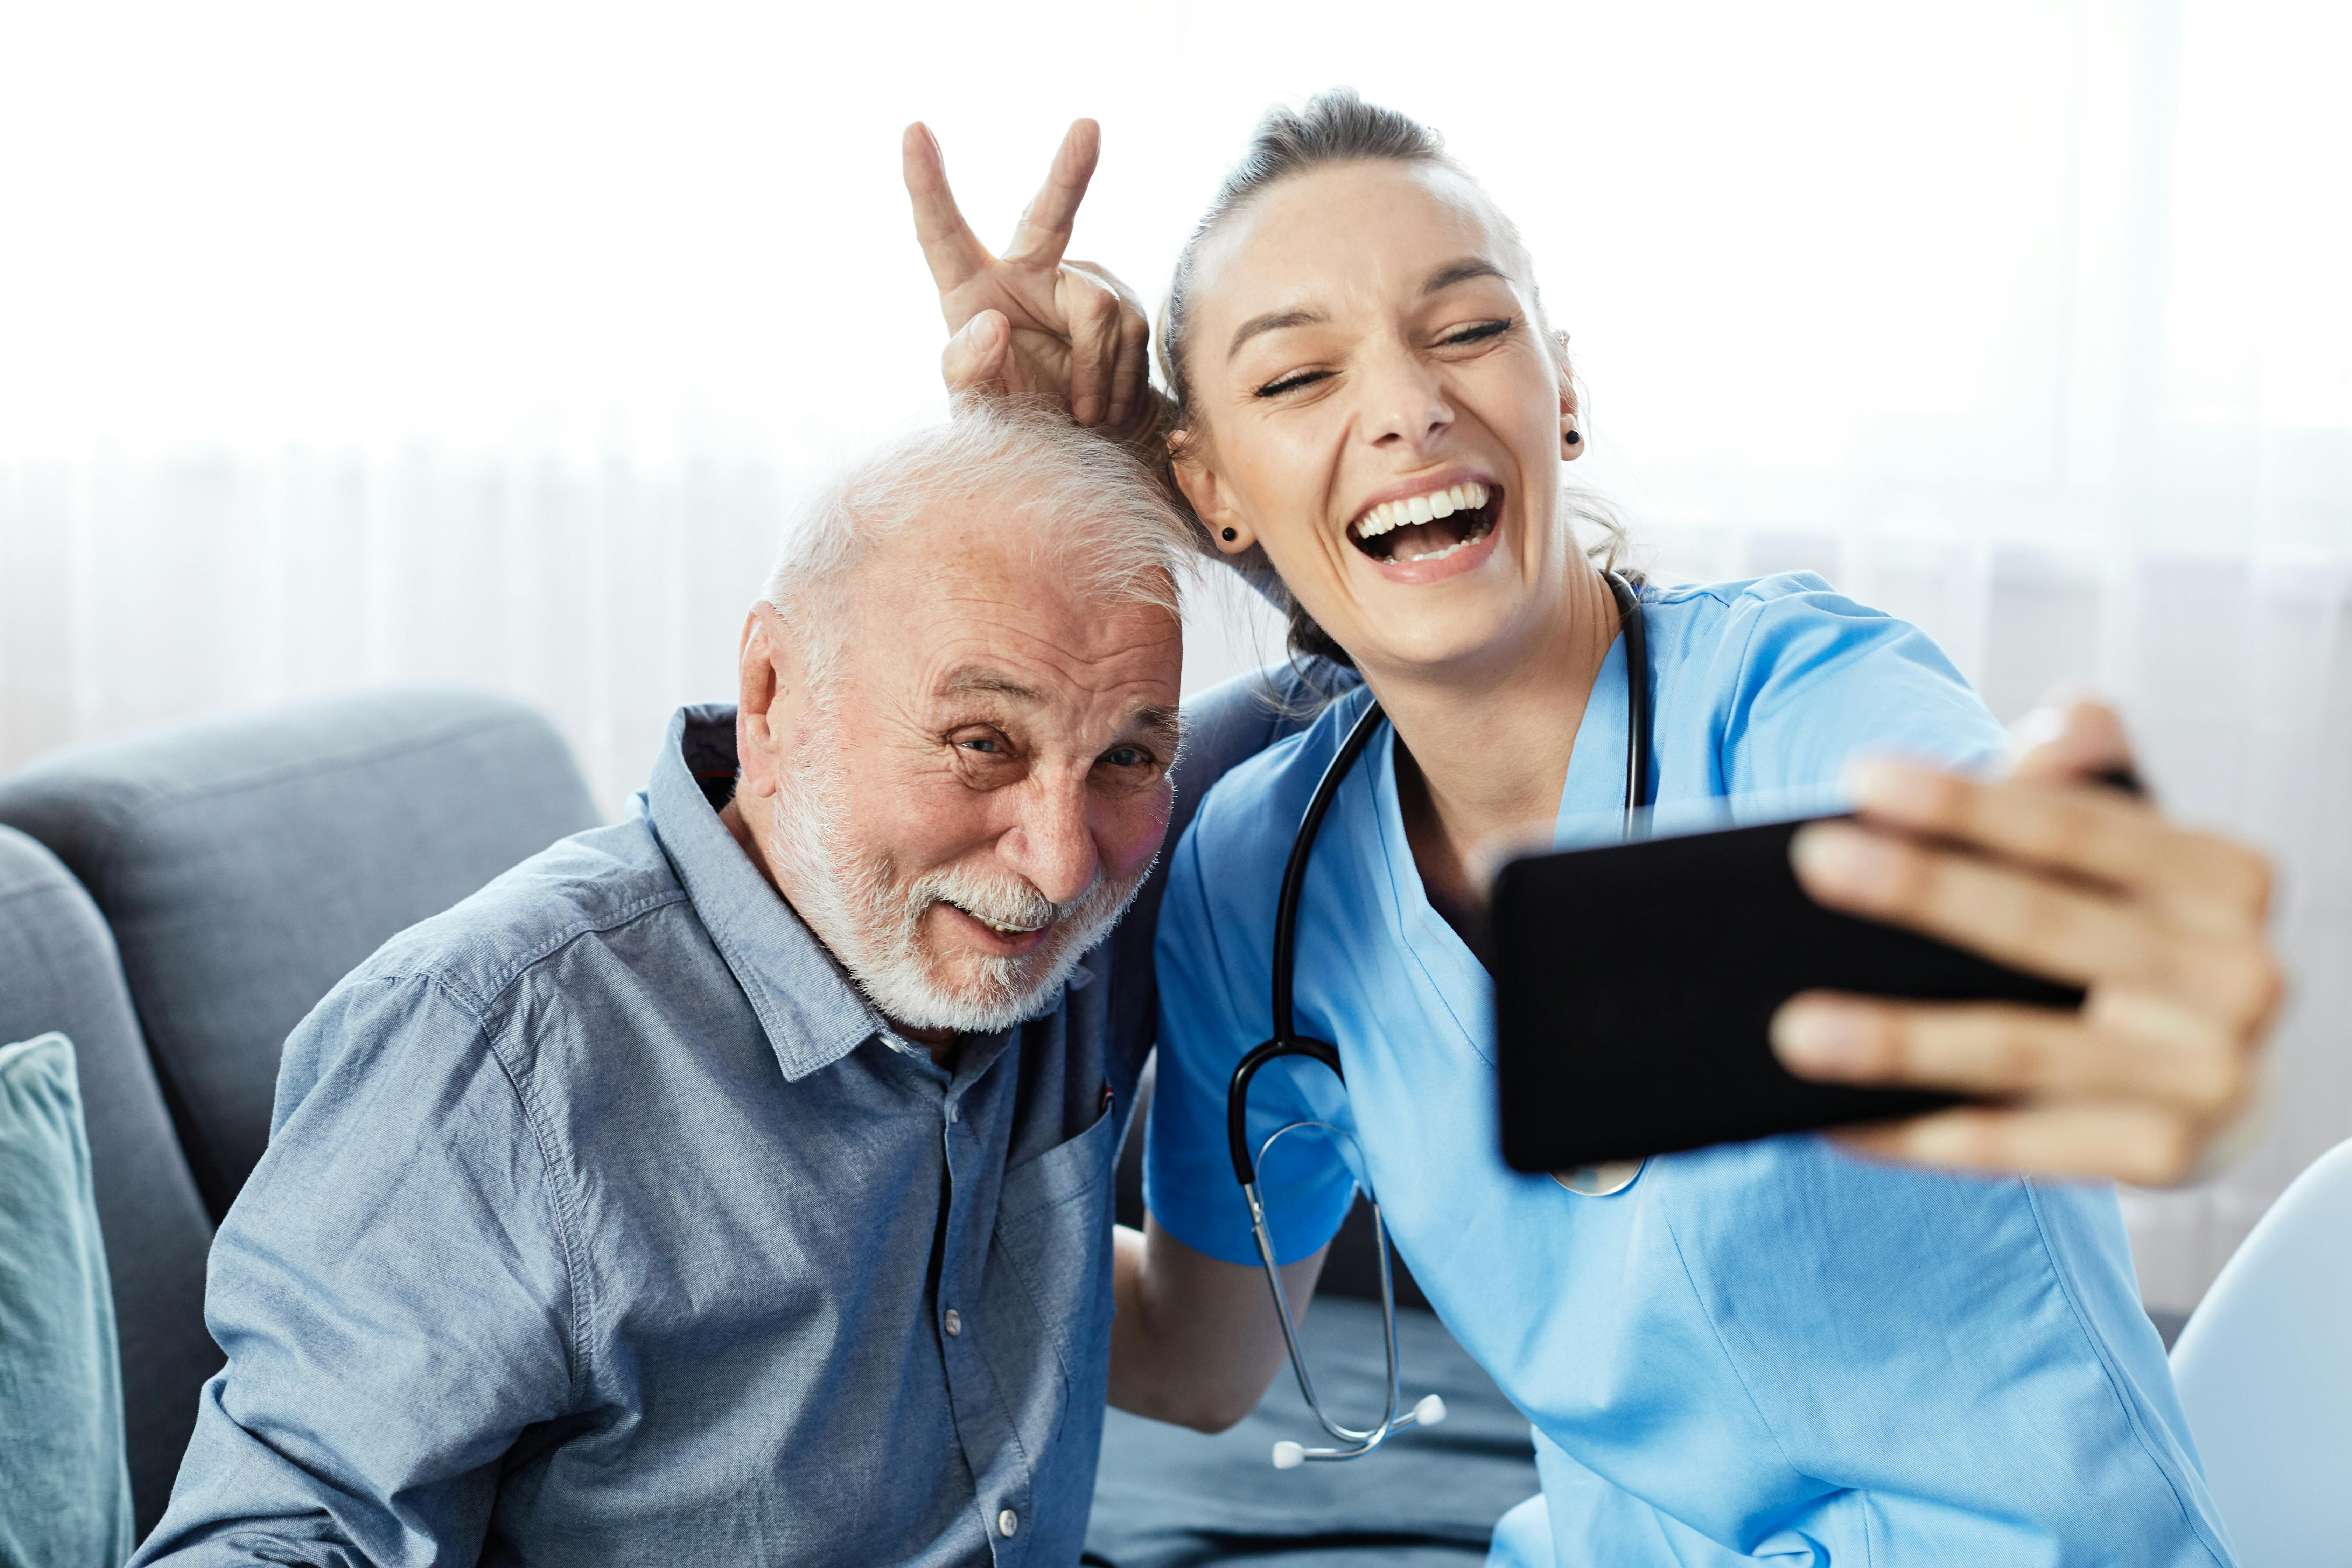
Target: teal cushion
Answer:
[[65, 1487]]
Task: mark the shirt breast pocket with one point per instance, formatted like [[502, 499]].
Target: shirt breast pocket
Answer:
[[1050, 1264]]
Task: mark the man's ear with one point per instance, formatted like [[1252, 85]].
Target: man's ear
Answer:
[[1206, 491], [769, 694]]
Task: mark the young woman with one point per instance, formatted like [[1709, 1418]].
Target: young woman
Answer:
[[1771, 1350]]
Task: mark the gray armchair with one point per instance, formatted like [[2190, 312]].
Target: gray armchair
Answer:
[[61, 973], [192, 895]]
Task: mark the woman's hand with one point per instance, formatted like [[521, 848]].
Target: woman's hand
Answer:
[[2165, 927], [1027, 323]]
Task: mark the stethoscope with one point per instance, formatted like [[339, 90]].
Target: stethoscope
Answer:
[[1590, 1182]]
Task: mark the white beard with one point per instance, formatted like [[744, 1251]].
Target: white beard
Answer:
[[855, 904]]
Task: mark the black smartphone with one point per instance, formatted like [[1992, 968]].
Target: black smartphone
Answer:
[[1634, 985]]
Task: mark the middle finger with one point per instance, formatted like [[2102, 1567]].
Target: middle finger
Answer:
[[1045, 229], [2003, 1049], [2206, 880]]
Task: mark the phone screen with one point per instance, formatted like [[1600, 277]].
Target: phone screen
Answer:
[[1634, 985]]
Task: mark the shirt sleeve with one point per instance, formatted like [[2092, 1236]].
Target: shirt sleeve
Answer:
[[1206, 966], [1814, 680], [393, 1292]]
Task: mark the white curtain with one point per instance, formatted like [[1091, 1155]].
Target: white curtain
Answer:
[[486, 343]]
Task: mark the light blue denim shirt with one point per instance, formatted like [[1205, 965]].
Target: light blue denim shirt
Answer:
[[600, 1224]]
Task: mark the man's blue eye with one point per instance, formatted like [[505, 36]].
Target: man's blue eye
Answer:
[[1124, 757], [981, 745]]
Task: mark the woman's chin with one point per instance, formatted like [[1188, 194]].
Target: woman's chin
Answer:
[[1464, 627]]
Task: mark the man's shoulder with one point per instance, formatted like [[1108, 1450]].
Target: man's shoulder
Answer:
[[588, 885]]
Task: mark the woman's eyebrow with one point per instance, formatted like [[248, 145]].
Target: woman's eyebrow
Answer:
[[1274, 321], [1444, 278], [1462, 271]]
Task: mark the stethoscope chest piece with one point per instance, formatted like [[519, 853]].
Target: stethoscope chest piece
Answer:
[[1605, 1179]]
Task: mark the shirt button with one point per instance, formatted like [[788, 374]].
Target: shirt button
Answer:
[[1007, 1522], [953, 1323], [952, 1111]]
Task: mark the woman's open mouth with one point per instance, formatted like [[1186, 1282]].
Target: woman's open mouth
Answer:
[[1428, 528]]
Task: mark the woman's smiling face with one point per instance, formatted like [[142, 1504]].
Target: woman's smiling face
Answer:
[[1374, 404]]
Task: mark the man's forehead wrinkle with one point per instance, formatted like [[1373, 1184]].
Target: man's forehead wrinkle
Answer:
[[981, 678], [1023, 631], [968, 661], [1090, 684]]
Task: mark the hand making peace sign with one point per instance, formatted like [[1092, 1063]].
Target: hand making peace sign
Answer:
[[1027, 323]]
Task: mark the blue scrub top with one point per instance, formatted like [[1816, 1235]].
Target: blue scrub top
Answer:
[[1772, 1348]]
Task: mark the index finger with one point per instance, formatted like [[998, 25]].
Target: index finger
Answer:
[[2099, 833], [1045, 229], [954, 251]]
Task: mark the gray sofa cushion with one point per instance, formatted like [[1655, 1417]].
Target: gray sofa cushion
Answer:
[[65, 1495], [58, 970], [248, 864]]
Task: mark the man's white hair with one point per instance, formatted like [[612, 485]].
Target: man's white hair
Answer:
[[1110, 530]]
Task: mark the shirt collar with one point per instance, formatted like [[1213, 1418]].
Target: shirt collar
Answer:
[[813, 1014]]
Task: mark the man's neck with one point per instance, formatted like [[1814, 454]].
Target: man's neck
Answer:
[[940, 1043]]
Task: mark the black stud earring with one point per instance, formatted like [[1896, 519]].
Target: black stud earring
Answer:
[[1230, 536], [1571, 438]]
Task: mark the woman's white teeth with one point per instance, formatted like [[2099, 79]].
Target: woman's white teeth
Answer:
[[1421, 509], [1438, 554]]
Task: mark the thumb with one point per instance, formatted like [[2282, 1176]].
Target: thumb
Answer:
[[2070, 740], [975, 359]]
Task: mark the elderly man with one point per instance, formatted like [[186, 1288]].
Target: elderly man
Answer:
[[732, 1185]]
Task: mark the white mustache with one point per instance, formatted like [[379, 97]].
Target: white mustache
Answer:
[[1016, 904]]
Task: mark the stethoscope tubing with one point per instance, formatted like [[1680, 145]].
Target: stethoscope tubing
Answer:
[[1287, 1042]]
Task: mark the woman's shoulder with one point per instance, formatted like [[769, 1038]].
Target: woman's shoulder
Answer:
[[1789, 663], [1754, 627], [1737, 607]]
